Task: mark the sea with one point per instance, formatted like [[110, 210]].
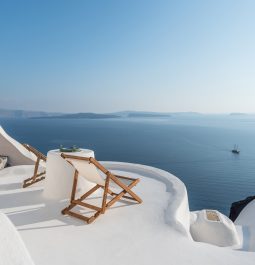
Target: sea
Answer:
[[195, 148]]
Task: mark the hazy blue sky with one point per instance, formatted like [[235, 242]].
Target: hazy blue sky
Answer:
[[105, 56]]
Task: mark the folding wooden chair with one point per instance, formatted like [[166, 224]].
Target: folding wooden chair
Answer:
[[90, 169], [36, 176]]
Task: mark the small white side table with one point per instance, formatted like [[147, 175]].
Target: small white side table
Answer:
[[59, 174]]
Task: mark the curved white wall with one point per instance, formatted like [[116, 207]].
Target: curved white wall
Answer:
[[177, 213]]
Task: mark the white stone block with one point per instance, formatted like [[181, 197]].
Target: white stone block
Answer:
[[211, 226]]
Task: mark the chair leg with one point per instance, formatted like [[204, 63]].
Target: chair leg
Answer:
[[36, 166], [83, 197], [75, 181], [71, 205], [36, 177], [74, 202], [30, 181], [105, 194]]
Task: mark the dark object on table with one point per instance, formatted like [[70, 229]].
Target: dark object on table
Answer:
[[69, 149]]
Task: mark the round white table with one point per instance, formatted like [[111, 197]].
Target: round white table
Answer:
[[59, 174]]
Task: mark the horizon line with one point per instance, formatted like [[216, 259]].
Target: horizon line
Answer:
[[144, 111]]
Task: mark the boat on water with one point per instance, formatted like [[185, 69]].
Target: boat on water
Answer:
[[235, 150]]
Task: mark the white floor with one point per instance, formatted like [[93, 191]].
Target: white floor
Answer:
[[128, 233]]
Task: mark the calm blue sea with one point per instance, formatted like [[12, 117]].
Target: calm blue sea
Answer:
[[194, 148]]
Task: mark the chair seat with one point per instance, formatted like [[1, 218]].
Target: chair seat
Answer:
[[112, 184]]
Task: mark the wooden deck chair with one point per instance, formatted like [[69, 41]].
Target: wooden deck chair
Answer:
[[36, 176], [90, 169]]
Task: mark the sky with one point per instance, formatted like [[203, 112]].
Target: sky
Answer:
[[106, 56]]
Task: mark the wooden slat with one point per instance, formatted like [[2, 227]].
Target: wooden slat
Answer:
[[126, 197], [122, 177], [88, 193], [38, 175], [79, 216], [84, 204], [33, 182], [66, 156]]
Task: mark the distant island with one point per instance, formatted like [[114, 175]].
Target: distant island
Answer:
[[26, 114], [148, 115], [88, 115], [237, 114], [23, 114]]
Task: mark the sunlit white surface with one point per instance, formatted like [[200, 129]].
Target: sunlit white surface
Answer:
[[154, 232], [12, 249]]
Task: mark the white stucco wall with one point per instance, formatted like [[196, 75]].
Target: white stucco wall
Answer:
[[177, 213]]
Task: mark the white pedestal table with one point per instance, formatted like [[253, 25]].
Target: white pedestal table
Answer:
[[59, 175]]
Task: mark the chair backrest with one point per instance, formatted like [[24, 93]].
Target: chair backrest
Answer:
[[35, 152], [16, 152], [88, 170]]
